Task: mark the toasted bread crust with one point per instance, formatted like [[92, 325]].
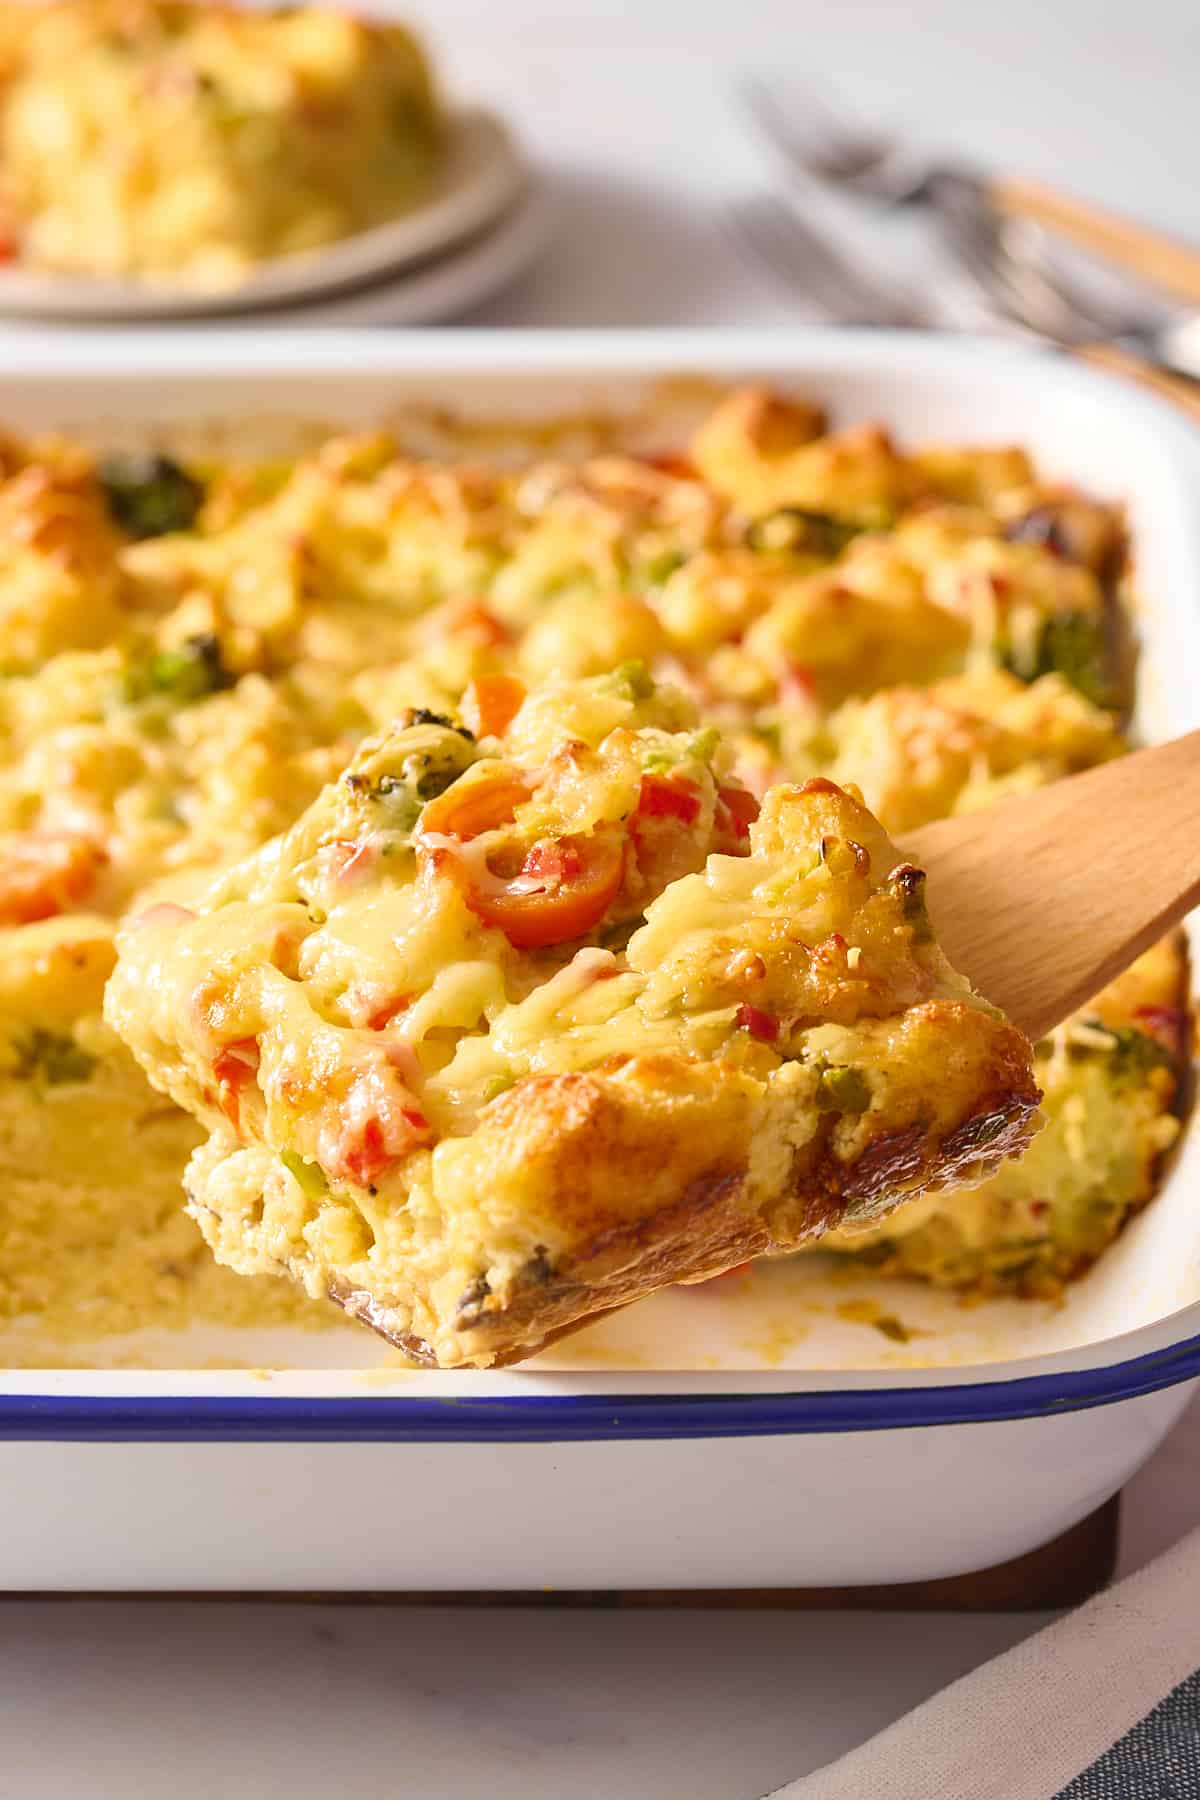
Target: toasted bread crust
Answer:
[[580, 1139]]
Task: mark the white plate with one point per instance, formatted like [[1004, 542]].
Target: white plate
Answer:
[[750, 1434], [482, 176], [439, 289]]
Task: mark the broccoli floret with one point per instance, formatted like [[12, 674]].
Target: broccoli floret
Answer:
[[1075, 646], [1131, 1054], [796, 531], [435, 761], [421, 715], [191, 672], [52, 1057], [149, 495]]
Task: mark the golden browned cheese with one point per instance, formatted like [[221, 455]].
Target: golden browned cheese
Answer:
[[446, 1087], [184, 143], [190, 651]]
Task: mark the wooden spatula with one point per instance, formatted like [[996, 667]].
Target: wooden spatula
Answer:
[[1150, 254], [1043, 899]]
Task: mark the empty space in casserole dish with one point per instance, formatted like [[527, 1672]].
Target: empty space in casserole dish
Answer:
[[814, 1313]]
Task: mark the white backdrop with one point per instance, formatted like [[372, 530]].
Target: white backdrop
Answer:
[[628, 106]]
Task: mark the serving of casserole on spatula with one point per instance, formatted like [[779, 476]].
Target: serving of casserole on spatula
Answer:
[[518, 1025]]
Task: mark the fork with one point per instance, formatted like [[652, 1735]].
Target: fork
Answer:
[[805, 260], [1012, 261], [812, 135], [1008, 260]]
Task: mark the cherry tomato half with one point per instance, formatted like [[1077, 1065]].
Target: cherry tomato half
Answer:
[[470, 808], [562, 890]]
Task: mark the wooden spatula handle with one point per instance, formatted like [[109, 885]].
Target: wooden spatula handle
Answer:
[[1175, 388], [1042, 900], [1152, 254]]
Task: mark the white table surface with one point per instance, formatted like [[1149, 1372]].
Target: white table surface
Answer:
[[108, 1700], [628, 109]]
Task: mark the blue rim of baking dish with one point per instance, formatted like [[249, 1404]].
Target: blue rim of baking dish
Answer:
[[583, 1418]]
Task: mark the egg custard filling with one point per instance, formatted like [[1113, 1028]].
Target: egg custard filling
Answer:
[[506, 1032]]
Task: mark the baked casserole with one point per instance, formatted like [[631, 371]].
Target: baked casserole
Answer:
[[203, 654]]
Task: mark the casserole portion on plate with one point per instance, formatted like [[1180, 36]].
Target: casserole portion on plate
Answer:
[[511, 1030], [185, 144]]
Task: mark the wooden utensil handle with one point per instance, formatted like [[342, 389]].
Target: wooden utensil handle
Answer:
[[1044, 898], [1144, 251], [1175, 388]]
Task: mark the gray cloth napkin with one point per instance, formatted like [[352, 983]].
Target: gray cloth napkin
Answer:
[[1102, 1705]]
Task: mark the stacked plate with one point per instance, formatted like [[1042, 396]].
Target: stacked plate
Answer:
[[480, 226]]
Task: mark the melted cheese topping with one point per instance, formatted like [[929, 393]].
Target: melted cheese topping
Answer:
[[371, 949]]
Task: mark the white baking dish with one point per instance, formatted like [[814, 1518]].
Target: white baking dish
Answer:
[[754, 1433]]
